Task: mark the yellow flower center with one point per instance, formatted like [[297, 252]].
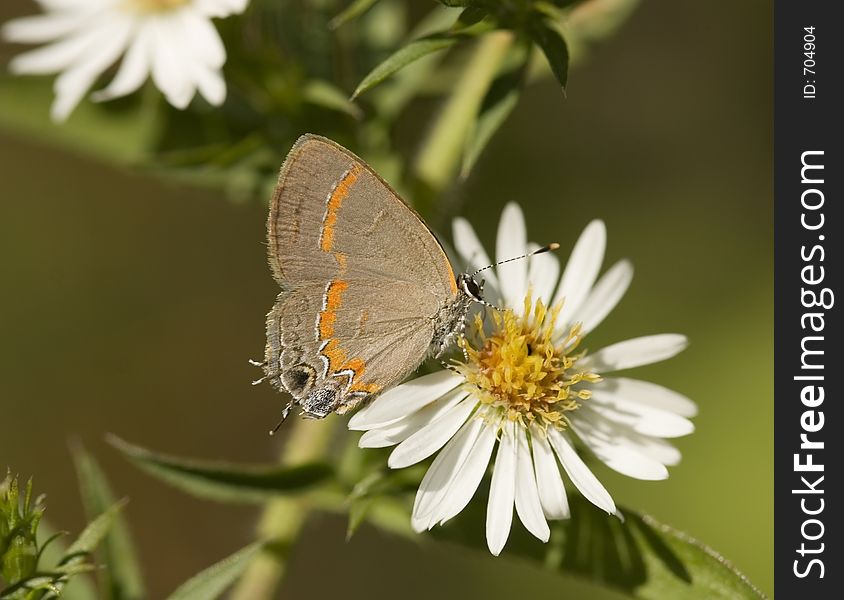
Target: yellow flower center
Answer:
[[519, 370], [153, 6]]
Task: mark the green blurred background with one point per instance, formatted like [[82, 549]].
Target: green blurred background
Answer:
[[130, 305]]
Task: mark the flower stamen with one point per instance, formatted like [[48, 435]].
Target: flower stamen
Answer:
[[519, 370], [154, 6]]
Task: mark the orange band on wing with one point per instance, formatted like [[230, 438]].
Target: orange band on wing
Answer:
[[335, 200], [335, 355], [369, 388], [341, 262], [333, 300], [337, 362], [451, 280]]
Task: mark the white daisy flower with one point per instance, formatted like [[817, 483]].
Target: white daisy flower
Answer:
[[172, 40], [529, 388]]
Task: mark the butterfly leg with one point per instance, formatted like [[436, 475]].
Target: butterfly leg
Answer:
[[284, 414], [461, 340], [450, 367], [261, 364]]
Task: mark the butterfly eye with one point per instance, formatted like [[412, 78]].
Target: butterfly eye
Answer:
[[471, 288]]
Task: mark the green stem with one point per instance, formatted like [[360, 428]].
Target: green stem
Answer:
[[439, 157], [283, 518]]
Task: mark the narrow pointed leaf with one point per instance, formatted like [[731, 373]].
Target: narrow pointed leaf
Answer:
[[352, 11], [471, 15], [93, 533], [554, 46], [325, 94], [358, 510], [500, 100], [224, 482], [216, 579], [639, 556], [78, 588], [121, 575], [404, 56]]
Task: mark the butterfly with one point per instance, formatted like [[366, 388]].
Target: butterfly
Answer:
[[367, 290]]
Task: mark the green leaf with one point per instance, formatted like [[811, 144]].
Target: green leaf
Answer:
[[500, 100], [471, 15], [553, 45], [590, 23], [75, 559], [78, 588], [358, 511], [638, 556], [92, 535], [353, 11], [326, 95], [440, 155], [404, 56], [389, 100], [214, 580], [224, 482], [121, 578]]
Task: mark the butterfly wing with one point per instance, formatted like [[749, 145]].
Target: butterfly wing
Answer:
[[350, 346], [364, 280], [332, 214]]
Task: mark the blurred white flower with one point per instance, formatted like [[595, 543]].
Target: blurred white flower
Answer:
[[172, 40], [529, 386]]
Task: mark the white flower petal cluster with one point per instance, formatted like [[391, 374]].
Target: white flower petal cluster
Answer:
[[624, 422], [173, 41]]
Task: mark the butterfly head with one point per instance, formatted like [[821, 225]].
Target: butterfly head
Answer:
[[469, 286]]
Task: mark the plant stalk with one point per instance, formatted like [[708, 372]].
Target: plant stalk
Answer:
[[440, 156], [283, 518]]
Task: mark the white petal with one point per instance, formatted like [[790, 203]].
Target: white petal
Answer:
[[617, 433], [655, 448], [621, 457], [543, 270], [465, 483], [502, 493], [133, 71], [637, 352], [168, 69], [74, 5], [473, 254], [642, 419], [625, 390], [528, 506], [62, 54], [210, 82], [579, 473], [398, 431], [511, 242], [441, 473], [380, 438], [202, 39], [41, 28], [604, 296], [432, 437], [582, 268], [72, 85], [552, 492], [404, 399], [220, 8]]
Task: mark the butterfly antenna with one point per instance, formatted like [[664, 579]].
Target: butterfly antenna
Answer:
[[284, 414], [550, 247]]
